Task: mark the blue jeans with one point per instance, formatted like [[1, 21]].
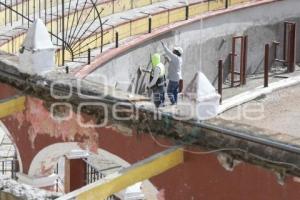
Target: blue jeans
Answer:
[[173, 91], [158, 96]]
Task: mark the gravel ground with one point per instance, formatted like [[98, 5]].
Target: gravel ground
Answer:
[[279, 112]]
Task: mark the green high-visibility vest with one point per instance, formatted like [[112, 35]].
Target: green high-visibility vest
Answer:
[[155, 60]]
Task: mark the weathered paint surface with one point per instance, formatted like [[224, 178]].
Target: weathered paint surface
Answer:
[[140, 171], [35, 121], [46, 159], [41, 122], [7, 91], [200, 177], [11, 106]]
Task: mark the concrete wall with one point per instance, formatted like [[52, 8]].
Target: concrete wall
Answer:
[[205, 42]]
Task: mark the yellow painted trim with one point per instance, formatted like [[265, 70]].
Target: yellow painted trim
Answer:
[[11, 106], [176, 15], [141, 3], [159, 20], [140, 171], [133, 28]]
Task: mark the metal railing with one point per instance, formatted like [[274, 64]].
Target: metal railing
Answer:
[[76, 27], [93, 174], [59, 183], [68, 26], [9, 166]]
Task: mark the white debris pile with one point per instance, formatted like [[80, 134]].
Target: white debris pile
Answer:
[[26, 192]]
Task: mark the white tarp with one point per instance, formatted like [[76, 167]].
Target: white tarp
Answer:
[[208, 100]]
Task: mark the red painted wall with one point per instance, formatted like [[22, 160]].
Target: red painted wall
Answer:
[[6, 91], [77, 174], [200, 177]]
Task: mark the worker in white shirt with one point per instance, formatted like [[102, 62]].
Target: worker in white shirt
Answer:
[[174, 72]]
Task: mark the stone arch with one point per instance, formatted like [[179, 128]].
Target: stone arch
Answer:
[[45, 161], [6, 131]]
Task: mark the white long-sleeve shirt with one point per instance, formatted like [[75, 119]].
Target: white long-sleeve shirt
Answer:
[[175, 66]]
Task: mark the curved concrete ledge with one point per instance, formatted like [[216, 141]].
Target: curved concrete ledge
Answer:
[[257, 92], [113, 53]]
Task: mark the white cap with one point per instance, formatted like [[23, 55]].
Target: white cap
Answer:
[[37, 37], [179, 49]]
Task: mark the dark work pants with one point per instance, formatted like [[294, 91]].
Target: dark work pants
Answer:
[[172, 91], [158, 96]]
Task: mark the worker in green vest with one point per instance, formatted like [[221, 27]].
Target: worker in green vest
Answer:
[[157, 80]]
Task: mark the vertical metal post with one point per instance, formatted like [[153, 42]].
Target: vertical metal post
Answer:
[[45, 7], [39, 8], [12, 169], [187, 9], [5, 13], [226, 4], [22, 12], [266, 66], [28, 13], [150, 24], [94, 176], [242, 61], [208, 5], [292, 48], [220, 78], [12, 44], [16, 165], [63, 30], [245, 58], [57, 21], [10, 13], [17, 9], [89, 56], [130, 26], [232, 66], [90, 172], [117, 39], [284, 40], [168, 16], [56, 172], [51, 15], [34, 10], [288, 46]]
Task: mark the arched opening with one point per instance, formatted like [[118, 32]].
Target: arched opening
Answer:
[[10, 160], [54, 159]]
